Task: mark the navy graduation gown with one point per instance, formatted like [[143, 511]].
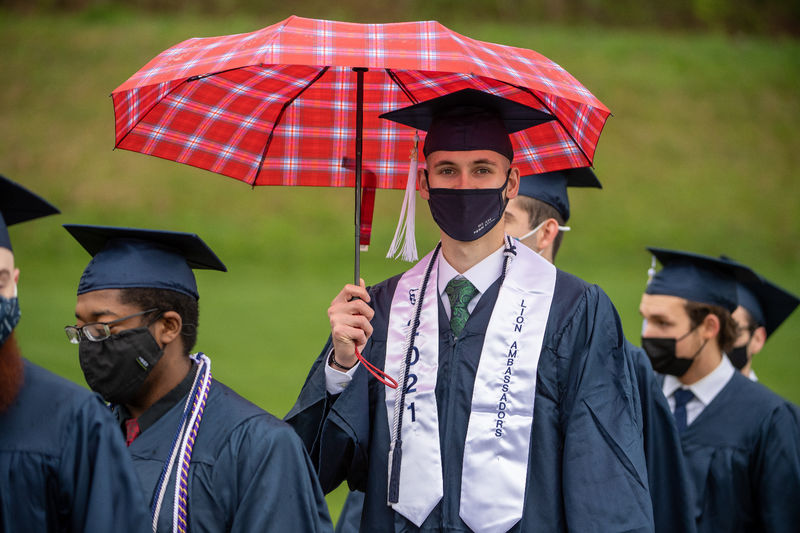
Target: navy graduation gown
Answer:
[[586, 468], [666, 472], [249, 471], [743, 454], [63, 463]]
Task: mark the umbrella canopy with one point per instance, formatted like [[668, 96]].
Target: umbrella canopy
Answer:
[[278, 106]]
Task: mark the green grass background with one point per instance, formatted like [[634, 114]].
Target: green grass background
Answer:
[[701, 154]]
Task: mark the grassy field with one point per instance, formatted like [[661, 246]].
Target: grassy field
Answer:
[[701, 154]]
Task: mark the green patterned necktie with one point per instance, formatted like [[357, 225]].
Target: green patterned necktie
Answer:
[[460, 291]]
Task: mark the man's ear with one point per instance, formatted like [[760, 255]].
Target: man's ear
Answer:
[[16, 276], [547, 234], [422, 183], [758, 340], [512, 189], [710, 326], [168, 328]]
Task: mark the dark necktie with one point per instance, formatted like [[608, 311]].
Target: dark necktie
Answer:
[[682, 397], [460, 291]]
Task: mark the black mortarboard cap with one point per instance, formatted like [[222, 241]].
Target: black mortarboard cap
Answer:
[[695, 277], [142, 258], [18, 204], [768, 304], [469, 119], [551, 187]]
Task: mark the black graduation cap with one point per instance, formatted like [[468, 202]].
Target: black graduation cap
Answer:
[[695, 277], [132, 257], [768, 304], [469, 119], [551, 187], [18, 204]]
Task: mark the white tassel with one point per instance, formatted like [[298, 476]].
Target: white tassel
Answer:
[[405, 226], [652, 270]]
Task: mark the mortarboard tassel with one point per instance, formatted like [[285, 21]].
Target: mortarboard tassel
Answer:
[[652, 270], [405, 226]]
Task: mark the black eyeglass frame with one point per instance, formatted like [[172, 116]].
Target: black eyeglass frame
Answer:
[[75, 333]]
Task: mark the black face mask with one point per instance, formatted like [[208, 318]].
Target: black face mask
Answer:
[[467, 214], [661, 352], [738, 356], [117, 366]]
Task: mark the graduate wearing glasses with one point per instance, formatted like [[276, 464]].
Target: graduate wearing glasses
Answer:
[[208, 460]]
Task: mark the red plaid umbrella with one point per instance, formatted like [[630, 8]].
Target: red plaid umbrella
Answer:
[[291, 103]]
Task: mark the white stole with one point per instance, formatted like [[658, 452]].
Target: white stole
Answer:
[[495, 463]]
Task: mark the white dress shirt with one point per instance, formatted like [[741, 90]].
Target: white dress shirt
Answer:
[[704, 390], [481, 275]]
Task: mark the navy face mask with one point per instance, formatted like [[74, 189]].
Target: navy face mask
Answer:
[[9, 317], [467, 214], [661, 352]]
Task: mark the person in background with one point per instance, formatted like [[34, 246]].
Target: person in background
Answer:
[[443, 448], [741, 441], [208, 460], [538, 215], [763, 306], [63, 463]]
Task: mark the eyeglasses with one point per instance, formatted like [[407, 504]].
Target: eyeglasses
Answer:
[[98, 331]]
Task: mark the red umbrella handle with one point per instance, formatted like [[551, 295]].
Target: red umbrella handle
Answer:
[[379, 374]]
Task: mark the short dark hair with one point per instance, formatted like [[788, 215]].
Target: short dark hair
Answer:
[[538, 212], [167, 300], [727, 325]]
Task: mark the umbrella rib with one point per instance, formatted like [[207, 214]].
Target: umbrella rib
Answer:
[[396, 80], [525, 89], [278, 119]]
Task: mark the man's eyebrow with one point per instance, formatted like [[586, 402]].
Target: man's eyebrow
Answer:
[[95, 314], [484, 162]]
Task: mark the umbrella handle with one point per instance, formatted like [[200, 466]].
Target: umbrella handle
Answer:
[[379, 374]]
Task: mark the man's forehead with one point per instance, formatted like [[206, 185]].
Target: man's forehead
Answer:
[[6, 259], [662, 304], [473, 157]]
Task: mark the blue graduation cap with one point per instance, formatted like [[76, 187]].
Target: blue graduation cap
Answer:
[[469, 119], [18, 204], [695, 277], [768, 304], [142, 258], [551, 187]]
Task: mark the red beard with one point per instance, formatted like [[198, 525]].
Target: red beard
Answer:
[[11, 372]]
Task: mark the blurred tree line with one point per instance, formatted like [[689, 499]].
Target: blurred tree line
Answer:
[[766, 17]]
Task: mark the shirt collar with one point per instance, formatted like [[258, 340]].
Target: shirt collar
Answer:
[[164, 404], [481, 275], [707, 388]]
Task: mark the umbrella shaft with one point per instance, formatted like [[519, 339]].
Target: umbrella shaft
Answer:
[[359, 142]]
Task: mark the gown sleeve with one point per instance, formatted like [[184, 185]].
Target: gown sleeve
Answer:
[[604, 471], [276, 483], [777, 470], [667, 475], [334, 429], [97, 470]]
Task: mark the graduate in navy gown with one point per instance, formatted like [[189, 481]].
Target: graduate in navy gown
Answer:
[[763, 306], [208, 459], [63, 463], [537, 217], [517, 409], [741, 441]]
